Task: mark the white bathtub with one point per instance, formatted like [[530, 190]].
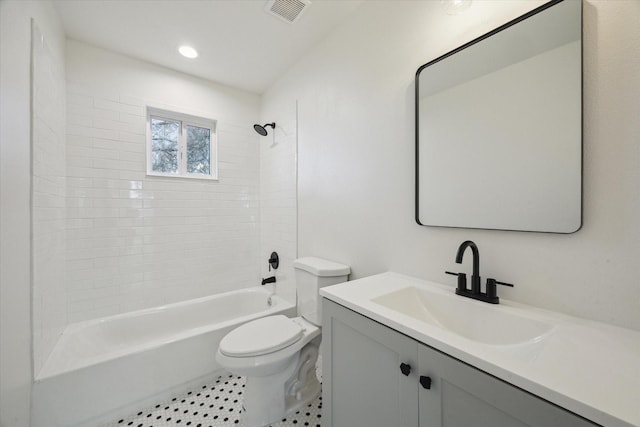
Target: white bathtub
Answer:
[[102, 368]]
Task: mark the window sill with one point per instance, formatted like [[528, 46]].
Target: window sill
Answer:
[[174, 176]]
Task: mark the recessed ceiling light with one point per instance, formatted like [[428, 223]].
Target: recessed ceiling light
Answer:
[[455, 7], [188, 52]]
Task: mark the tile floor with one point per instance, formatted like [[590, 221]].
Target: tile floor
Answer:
[[212, 405]]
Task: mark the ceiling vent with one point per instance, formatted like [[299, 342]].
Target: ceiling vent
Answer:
[[287, 10]]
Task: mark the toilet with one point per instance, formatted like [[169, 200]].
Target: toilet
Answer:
[[278, 354]]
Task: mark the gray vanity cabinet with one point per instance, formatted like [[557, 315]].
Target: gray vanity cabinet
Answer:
[[461, 395], [362, 383], [364, 386]]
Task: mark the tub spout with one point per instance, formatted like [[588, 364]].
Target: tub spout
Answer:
[[271, 279]]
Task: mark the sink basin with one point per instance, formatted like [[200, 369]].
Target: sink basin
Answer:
[[477, 321]]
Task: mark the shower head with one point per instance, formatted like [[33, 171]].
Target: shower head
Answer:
[[262, 130]]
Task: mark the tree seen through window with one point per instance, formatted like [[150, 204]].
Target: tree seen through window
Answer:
[[181, 145]]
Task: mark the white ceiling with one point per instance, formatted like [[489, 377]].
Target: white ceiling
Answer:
[[239, 43]]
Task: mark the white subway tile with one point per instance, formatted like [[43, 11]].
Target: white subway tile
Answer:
[[106, 154], [80, 100], [91, 132], [79, 119], [138, 138], [147, 240], [132, 100], [132, 118]]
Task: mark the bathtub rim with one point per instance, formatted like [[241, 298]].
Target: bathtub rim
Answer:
[[279, 305]]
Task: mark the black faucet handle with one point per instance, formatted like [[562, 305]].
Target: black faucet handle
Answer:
[[503, 283], [462, 281], [491, 289], [274, 261]]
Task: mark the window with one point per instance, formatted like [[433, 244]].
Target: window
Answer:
[[180, 145]]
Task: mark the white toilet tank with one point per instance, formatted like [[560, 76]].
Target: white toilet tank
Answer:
[[312, 274]]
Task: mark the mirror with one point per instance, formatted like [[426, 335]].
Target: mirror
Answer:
[[499, 127]]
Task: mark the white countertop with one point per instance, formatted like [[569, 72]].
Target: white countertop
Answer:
[[587, 367]]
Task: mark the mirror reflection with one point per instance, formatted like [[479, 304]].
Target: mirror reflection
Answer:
[[499, 127]]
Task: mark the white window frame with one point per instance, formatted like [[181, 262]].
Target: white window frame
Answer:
[[185, 120]]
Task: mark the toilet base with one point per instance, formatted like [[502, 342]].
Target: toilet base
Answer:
[[309, 394], [271, 398]]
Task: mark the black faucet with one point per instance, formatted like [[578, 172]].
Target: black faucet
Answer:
[[475, 277], [271, 279], [491, 295]]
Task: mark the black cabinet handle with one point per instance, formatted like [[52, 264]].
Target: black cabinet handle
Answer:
[[425, 382], [405, 369]]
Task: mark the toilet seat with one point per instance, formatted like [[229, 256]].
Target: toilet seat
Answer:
[[261, 336]]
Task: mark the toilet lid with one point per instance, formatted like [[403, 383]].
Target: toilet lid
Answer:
[[261, 336]]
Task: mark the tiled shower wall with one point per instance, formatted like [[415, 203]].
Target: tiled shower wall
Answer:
[[278, 186], [48, 190], [135, 241]]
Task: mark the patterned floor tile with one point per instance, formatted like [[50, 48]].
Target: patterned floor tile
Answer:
[[213, 405]]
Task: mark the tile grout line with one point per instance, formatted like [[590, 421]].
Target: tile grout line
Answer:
[[213, 405]]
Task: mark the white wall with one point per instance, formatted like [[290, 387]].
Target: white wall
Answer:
[[48, 192], [135, 241], [15, 192], [356, 152]]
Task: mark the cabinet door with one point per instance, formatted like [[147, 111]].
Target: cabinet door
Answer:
[[362, 382], [462, 396]]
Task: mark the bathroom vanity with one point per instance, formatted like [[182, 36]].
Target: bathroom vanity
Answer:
[[399, 351]]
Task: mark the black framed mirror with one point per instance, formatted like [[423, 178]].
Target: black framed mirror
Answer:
[[499, 127]]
